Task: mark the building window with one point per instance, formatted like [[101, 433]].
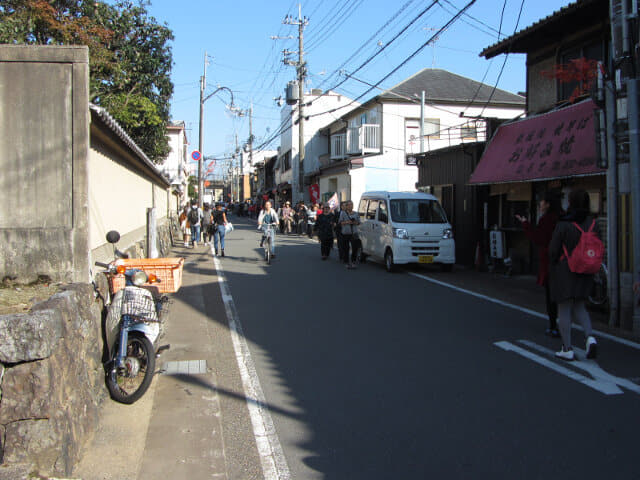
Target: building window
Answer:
[[468, 132], [592, 51], [432, 128], [412, 133], [372, 116]]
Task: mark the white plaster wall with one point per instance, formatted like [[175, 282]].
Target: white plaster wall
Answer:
[[358, 185], [118, 198], [343, 185]]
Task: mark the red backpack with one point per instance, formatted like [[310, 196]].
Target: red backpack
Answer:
[[589, 252]]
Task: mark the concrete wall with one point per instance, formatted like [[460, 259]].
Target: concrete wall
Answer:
[[342, 182], [44, 138]]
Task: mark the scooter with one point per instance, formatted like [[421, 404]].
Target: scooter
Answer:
[[133, 326]]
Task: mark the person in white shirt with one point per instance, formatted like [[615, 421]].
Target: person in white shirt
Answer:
[[268, 216], [349, 221]]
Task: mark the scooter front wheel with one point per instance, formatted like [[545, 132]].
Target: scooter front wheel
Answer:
[[128, 383]]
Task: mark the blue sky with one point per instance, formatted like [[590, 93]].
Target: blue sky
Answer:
[[245, 59]]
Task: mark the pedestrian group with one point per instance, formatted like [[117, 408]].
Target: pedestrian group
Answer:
[[569, 246]]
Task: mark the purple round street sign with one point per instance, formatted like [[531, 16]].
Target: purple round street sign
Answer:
[[195, 155]]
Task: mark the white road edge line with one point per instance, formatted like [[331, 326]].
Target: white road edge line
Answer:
[[604, 387], [272, 459], [528, 311]]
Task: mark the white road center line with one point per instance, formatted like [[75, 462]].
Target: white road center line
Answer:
[[528, 311], [604, 387], [272, 459]]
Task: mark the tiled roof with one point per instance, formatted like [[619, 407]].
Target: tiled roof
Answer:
[[115, 127], [443, 86], [579, 8]]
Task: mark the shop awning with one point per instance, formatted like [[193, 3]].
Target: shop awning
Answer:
[[552, 145]]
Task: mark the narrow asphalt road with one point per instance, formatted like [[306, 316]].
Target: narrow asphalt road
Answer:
[[369, 375], [318, 372]]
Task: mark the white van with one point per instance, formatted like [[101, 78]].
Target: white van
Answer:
[[405, 227]]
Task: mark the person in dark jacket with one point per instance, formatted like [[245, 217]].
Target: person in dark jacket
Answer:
[[540, 235], [324, 227], [569, 289], [339, 230]]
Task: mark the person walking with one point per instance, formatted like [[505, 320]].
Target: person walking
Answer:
[[324, 227], [184, 225], [268, 216], [287, 218], [219, 229], [207, 231], [571, 289], [338, 228], [195, 218], [540, 235], [349, 221]]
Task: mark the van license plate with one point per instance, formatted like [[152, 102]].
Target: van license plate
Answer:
[[425, 258]]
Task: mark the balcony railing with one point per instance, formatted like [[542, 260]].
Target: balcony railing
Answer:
[[338, 146], [363, 139]]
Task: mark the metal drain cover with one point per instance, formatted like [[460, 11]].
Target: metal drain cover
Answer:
[[185, 367]]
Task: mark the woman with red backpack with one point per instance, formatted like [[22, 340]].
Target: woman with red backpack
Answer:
[[575, 251]]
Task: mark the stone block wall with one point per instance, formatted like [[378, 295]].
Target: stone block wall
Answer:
[[51, 382]]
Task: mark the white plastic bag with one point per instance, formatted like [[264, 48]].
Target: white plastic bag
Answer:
[[228, 228]]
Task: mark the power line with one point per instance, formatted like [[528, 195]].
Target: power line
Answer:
[[503, 63], [475, 95], [317, 41], [353, 55], [404, 62], [410, 57], [371, 57]]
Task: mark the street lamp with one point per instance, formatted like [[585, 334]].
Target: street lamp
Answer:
[[201, 130]]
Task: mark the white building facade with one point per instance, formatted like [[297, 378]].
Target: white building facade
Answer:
[[175, 167], [320, 110], [370, 147]]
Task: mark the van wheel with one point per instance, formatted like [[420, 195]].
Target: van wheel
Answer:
[[447, 267], [388, 261]]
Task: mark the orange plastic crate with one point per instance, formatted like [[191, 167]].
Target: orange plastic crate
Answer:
[[168, 271]]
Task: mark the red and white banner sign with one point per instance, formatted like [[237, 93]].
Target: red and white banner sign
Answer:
[[314, 193]]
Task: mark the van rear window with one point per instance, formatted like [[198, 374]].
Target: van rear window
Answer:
[[417, 211]]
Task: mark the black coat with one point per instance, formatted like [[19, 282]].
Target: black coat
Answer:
[[324, 227], [564, 283]]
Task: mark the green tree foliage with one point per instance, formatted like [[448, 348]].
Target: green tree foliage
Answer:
[[192, 188], [130, 57]]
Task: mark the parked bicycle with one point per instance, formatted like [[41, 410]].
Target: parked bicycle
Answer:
[[599, 297]]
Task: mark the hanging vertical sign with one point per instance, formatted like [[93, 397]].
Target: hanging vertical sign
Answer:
[[314, 193]]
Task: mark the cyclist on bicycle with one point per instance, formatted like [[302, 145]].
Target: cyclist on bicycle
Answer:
[[268, 217]]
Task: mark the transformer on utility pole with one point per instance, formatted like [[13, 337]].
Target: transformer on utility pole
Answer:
[[300, 65]]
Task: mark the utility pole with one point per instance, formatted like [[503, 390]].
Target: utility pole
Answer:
[[251, 134], [203, 84], [302, 73], [422, 122], [625, 63]]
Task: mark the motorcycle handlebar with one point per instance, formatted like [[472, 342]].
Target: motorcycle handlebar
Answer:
[[103, 265]]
